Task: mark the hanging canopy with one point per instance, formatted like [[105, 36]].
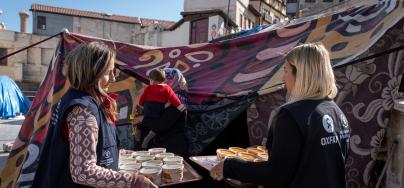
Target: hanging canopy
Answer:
[[223, 77]]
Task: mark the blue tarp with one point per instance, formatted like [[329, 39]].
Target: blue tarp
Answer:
[[12, 101], [254, 30]]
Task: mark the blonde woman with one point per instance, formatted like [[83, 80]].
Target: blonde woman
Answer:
[[81, 144], [309, 144]]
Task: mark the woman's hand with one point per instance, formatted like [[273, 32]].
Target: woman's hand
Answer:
[[147, 183], [217, 171], [143, 182]]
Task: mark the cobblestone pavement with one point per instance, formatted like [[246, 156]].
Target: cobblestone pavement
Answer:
[[8, 132]]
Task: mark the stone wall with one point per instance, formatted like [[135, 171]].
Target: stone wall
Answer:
[[117, 31], [55, 23], [28, 66]]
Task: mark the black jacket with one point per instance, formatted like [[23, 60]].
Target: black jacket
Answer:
[[307, 149], [169, 129]]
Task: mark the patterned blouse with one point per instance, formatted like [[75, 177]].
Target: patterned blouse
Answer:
[[83, 138]]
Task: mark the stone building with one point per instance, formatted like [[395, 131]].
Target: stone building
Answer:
[[29, 67], [49, 20], [272, 11], [206, 20], [202, 21]]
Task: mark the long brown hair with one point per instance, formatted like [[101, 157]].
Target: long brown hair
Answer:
[[87, 63]]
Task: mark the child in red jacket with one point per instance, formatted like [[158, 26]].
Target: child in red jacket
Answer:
[[156, 97]]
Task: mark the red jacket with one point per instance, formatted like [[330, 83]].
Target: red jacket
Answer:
[[160, 93]]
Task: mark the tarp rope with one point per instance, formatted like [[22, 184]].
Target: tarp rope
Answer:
[[30, 46]]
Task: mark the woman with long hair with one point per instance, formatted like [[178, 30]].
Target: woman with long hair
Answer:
[[81, 144], [308, 143]]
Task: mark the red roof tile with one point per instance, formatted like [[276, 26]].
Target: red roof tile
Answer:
[[164, 23], [82, 13]]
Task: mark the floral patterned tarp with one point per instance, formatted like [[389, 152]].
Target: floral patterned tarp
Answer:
[[225, 77]]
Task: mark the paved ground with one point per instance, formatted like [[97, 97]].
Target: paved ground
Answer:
[[8, 132]]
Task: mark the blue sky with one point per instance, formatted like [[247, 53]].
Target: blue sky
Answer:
[[157, 9]]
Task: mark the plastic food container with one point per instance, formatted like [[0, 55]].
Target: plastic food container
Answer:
[[237, 149], [246, 156], [141, 159], [140, 153], [254, 150], [153, 173], [224, 153], [161, 156], [152, 163], [155, 151], [132, 167], [173, 160], [173, 173]]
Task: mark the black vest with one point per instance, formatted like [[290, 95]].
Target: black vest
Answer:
[[53, 167], [326, 134]]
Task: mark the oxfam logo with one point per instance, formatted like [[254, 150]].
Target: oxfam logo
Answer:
[[328, 124], [107, 154]]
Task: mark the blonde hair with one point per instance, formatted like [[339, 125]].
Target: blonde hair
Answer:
[[87, 63], [314, 77]]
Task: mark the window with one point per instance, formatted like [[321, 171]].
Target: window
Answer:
[[241, 21], [3, 52], [292, 1], [199, 31], [277, 19], [328, 1], [41, 22], [310, 1]]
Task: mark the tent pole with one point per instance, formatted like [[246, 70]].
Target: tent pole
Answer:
[[20, 50]]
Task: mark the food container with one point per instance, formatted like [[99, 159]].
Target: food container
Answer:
[[173, 160], [152, 163], [246, 156], [263, 156], [254, 150], [141, 159], [125, 160], [140, 153], [262, 148], [223, 153], [131, 167], [161, 156], [237, 149], [153, 173], [173, 173], [155, 151]]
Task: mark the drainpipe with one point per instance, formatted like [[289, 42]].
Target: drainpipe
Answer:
[[228, 16]]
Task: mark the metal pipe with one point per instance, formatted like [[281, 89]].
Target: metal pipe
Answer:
[[20, 50]]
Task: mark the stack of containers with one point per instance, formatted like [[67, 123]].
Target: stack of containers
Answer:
[[155, 164], [173, 169]]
